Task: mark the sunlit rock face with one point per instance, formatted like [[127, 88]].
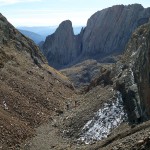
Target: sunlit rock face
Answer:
[[110, 116], [110, 29], [106, 34]]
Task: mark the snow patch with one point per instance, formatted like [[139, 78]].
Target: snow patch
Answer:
[[5, 105], [107, 118], [132, 76]]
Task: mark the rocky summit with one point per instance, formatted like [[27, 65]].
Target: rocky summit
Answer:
[[63, 46], [106, 34]]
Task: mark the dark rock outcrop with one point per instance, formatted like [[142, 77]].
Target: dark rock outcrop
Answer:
[[133, 75], [106, 34], [63, 46], [131, 78]]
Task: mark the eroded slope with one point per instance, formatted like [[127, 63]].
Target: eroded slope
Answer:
[[31, 92]]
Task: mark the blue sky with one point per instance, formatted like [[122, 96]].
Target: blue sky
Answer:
[[53, 12]]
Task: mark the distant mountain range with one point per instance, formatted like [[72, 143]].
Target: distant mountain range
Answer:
[[42, 30], [34, 36], [38, 34]]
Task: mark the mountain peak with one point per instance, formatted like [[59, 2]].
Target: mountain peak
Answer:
[[62, 46], [100, 37], [66, 22]]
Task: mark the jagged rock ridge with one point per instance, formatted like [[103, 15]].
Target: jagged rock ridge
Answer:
[[107, 33]]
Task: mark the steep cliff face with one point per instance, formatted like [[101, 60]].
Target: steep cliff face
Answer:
[[30, 91], [107, 33], [133, 75], [63, 46], [109, 30]]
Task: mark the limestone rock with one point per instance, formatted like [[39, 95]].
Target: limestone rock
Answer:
[[133, 81], [109, 30], [106, 34], [62, 47]]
